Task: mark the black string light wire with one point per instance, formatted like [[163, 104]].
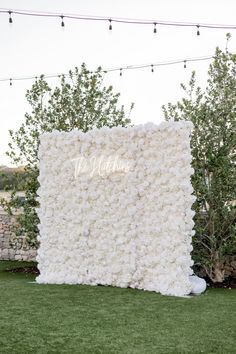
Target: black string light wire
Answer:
[[131, 21], [120, 69]]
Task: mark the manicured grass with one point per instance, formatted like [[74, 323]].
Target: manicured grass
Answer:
[[43, 319]]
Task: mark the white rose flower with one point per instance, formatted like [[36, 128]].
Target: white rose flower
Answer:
[[130, 228]]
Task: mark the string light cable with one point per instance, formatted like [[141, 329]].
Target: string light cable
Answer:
[[119, 69], [111, 20]]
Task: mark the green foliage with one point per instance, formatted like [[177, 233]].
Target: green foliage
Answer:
[[213, 144], [79, 102], [12, 179]]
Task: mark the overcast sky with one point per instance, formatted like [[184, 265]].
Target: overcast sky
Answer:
[[34, 46]]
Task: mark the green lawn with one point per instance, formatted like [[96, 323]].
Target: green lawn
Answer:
[[81, 319]]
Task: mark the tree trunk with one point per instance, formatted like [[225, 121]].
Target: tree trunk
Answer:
[[216, 271]]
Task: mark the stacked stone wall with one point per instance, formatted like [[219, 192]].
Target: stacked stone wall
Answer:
[[13, 247]]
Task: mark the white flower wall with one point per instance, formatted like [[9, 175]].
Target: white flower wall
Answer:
[[101, 223]]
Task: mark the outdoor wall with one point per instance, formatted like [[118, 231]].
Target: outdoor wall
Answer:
[[115, 207], [12, 247]]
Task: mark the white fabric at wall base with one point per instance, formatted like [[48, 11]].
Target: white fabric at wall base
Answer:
[[198, 285]]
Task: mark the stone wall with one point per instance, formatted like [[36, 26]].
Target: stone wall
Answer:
[[12, 247]]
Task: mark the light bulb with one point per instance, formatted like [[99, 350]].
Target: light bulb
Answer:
[[198, 31], [62, 21], [10, 18], [155, 28]]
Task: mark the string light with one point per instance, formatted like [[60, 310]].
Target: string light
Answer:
[[131, 21], [10, 82], [10, 18], [198, 31], [110, 25], [62, 21], [120, 69], [155, 28]]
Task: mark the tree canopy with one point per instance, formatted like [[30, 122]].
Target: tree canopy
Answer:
[[213, 144], [79, 102]]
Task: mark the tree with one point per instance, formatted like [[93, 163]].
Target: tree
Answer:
[[213, 144], [79, 102], [11, 178]]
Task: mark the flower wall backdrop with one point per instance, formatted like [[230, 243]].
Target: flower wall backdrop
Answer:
[[115, 207]]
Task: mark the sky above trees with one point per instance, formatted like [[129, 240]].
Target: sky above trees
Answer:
[[32, 46]]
